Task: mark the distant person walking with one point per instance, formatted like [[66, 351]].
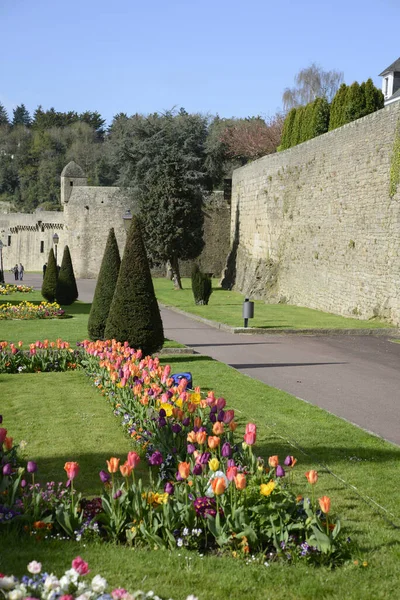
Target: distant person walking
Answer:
[[15, 269], [21, 271], [44, 269]]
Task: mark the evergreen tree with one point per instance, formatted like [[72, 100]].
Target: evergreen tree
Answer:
[[201, 286], [3, 116], [307, 122], [49, 285], [320, 117], [134, 315], [105, 288], [21, 116], [296, 131], [67, 291], [374, 99], [355, 103], [287, 129], [337, 118]]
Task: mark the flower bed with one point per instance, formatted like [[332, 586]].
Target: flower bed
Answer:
[[26, 310], [41, 356], [75, 583], [9, 288], [208, 490]]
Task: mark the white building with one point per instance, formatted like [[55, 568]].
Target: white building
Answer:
[[391, 82]]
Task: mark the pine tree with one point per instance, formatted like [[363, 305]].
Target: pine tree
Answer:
[[355, 103], [49, 285], [21, 116], [134, 315], [105, 288], [320, 117], [3, 116], [374, 99], [67, 291], [296, 130]]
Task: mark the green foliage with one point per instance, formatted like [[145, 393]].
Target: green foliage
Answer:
[[21, 116], [105, 288], [337, 108], [355, 103], [320, 117], [201, 286], [395, 163], [49, 286], [287, 129], [134, 315], [67, 290], [3, 116]]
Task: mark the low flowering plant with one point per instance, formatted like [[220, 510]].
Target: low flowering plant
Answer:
[[40, 356], [76, 582], [8, 288], [28, 311]]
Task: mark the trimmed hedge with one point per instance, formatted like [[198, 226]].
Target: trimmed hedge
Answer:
[[49, 285], [67, 290], [105, 288], [134, 315], [201, 286]]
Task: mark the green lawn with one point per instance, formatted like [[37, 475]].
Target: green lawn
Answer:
[[226, 307], [72, 330], [357, 470]]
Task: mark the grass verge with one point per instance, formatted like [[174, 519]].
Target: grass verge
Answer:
[[358, 471], [226, 307]]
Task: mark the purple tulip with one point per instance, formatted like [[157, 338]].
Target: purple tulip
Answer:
[[178, 476], [191, 448], [213, 417], [23, 483], [197, 469], [156, 458], [213, 409], [221, 415], [7, 469], [117, 495], [226, 450], [31, 467], [1, 419], [186, 421], [288, 461], [204, 458], [169, 488], [280, 472], [231, 463], [176, 428], [162, 413], [162, 422], [104, 476]]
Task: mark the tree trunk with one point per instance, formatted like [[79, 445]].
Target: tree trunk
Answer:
[[168, 270], [176, 276]]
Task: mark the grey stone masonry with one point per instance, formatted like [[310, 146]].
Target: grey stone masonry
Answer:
[[315, 225]]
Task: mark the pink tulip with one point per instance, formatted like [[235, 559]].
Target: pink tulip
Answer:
[[3, 435], [133, 459]]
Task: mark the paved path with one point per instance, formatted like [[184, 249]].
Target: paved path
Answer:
[[357, 378]]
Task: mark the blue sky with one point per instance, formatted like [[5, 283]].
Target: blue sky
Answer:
[[232, 57]]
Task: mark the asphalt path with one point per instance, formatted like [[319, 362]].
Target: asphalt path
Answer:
[[354, 377]]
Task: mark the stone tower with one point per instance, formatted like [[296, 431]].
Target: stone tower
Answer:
[[72, 175]]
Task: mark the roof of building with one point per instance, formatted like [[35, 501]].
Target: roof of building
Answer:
[[72, 169], [394, 96], [393, 67]]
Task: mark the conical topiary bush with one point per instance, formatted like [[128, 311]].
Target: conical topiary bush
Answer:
[[67, 291], [49, 285], [134, 315], [105, 288]]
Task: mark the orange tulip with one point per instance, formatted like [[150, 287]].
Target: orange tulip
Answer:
[[218, 428], [126, 469], [184, 469], [213, 441], [201, 437], [231, 473], [197, 422], [233, 425], [8, 442], [113, 464], [218, 485], [273, 461], [312, 477], [191, 437], [72, 470], [325, 504], [240, 481]]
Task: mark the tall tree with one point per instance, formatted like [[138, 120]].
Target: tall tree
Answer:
[[134, 315], [310, 83], [3, 116], [105, 288], [21, 116], [337, 114], [251, 138], [162, 158]]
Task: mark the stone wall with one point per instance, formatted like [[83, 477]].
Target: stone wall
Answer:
[[315, 225]]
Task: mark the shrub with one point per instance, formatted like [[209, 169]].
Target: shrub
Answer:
[[201, 286], [67, 291], [49, 285], [105, 288], [134, 315]]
